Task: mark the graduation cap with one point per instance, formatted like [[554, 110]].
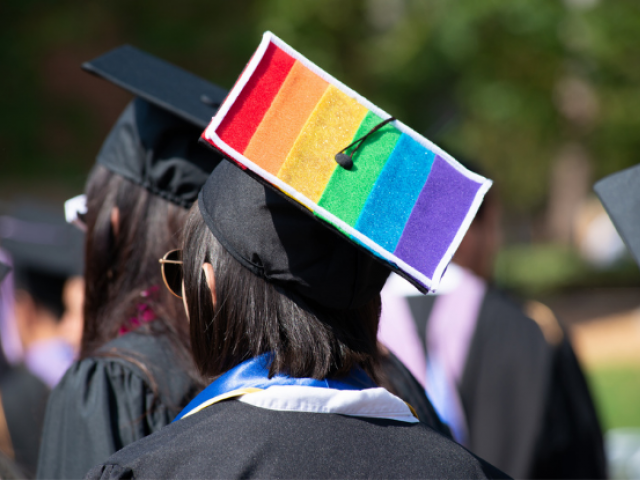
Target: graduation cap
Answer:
[[620, 195], [352, 166], [154, 143], [45, 252]]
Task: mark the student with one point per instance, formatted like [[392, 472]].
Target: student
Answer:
[[8, 468], [46, 257], [46, 254], [135, 372], [284, 307], [284, 313]]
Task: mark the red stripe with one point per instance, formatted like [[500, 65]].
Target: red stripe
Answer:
[[246, 113]]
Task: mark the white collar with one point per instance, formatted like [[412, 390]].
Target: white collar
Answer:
[[370, 402]]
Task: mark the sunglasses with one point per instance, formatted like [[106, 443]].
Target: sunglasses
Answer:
[[171, 266]]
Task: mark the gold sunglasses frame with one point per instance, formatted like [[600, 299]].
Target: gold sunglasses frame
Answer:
[[164, 261]]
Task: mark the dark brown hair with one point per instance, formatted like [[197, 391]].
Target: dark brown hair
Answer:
[[119, 267], [253, 317]]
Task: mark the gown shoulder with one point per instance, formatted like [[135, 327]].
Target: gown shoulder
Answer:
[[233, 440], [132, 387]]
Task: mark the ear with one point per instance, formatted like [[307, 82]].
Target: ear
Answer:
[[211, 281], [115, 220]]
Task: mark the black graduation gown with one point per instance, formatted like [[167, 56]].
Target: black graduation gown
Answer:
[[527, 405], [134, 387], [571, 444], [231, 439], [24, 398]]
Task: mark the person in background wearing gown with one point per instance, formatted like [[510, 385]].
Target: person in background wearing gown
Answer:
[[396, 377], [47, 259], [135, 371], [620, 196], [38, 331], [8, 469], [283, 314], [503, 376]]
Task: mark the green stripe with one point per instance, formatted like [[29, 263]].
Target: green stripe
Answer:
[[347, 190]]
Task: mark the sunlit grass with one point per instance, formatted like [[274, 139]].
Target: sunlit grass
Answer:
[[616, 391]]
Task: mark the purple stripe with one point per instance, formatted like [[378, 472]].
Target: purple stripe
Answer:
[[436, 217]]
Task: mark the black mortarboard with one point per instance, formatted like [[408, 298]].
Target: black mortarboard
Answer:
[[45, 251], [154, 143], [620, 195], [278, 241], [4, 270], [161, 83]]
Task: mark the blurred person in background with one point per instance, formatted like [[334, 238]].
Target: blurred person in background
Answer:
[[503, 376], [394, 376], [135, 371], [620, 196], [8, 468], [38, 331], [46, 254]]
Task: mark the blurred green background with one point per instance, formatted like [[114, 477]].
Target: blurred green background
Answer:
[[507, 83], [542, 95], [616, 391]]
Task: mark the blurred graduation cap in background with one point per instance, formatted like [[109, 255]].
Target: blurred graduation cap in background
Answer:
[[154, 143], [620, 196], [159, 82], [45, 252]]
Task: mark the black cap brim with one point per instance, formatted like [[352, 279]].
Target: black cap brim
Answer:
[[159, 82], [620, 195]]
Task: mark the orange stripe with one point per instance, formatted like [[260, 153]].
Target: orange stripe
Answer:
[[281, 125]]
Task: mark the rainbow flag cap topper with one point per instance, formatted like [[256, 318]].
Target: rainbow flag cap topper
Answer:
[[393, 191]]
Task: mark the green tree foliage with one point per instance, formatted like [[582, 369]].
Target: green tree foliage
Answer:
[[478, 77]]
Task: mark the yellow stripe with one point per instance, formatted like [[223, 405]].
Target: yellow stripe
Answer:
[[224, 396], [330, 128]]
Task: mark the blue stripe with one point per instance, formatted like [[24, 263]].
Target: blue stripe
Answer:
[[395, 192], [254, 373]]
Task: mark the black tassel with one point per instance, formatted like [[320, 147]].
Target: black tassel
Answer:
[[346, 161]]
